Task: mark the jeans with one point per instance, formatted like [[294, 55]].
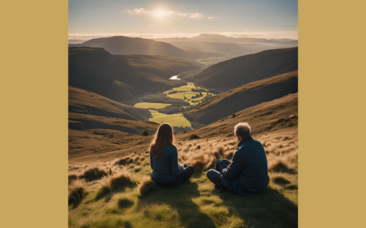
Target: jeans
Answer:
[[215, 174], [180, 179]]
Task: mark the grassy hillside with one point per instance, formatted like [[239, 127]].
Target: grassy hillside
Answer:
[[244, 96], [83, 101], [120, 77], [122, 45], [162, 66], [245, 69], [116, 200]]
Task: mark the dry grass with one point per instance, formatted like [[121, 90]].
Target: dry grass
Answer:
[[115, 181], [95, 173], [77, 191], [147, 185], [72, 177]]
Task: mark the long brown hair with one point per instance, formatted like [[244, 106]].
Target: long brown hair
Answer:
[[163, 136]]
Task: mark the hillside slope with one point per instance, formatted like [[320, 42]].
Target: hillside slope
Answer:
[[263, 118], [120, 77], [83, 101], [244, 96], [122, 45], [273, 123], [245, 69]]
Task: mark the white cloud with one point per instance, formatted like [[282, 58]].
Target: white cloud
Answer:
[[161, 13], [196, 15], [137, 11]]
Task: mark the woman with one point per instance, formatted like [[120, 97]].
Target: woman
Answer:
[[164, 159]]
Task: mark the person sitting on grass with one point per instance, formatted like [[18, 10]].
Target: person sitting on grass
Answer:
[[247, 174], [164, 159]]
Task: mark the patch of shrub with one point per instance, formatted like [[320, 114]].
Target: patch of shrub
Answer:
[[123, 161], [147, 185], [95, 173], [280, 181], [137, 168], [72, 177], [193, 136], [114, 182], [145, 133], [77, 191]]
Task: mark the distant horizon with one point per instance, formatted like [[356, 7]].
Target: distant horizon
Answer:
[[293, 35]]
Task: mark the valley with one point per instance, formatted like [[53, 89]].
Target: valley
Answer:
[[121, 89]]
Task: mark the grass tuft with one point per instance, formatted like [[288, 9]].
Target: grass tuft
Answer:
[[95, 173], [147, 185], [114, 182], [77, 191]]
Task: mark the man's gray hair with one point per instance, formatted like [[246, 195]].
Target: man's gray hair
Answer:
[[242, 129]]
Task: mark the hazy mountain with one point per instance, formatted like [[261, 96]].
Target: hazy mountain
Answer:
[[122, 45], [245, 69], [83, 101], [120, 77], [243, 97], [225, 39]]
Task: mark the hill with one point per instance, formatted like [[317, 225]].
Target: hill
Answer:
[[248, 68], [122, 45], [120, 77], [274, 124], [216, 38], [83, 101], [243, 97]]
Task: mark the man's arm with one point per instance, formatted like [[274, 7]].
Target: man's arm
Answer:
[[234, 169]]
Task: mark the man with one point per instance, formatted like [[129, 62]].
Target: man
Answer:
[[247, 174]]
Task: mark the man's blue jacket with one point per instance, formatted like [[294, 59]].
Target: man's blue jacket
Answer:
[[248, 173]]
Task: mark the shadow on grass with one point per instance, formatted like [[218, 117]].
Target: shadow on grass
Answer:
[[267, 209], [179, 198]]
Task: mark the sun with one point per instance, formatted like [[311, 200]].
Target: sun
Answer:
[[160, 13]]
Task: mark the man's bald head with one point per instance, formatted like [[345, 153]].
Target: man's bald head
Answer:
[[242, 129]]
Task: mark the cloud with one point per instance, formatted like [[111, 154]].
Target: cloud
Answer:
[[160, 13], [196, 15], [137, 11]]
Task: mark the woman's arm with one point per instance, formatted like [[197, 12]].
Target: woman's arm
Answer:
[[176, 168], [151, 162]]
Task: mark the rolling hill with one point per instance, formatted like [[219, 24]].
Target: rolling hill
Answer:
[[248, 68], [122, 45], [216, 38], [243, 97], [83, 101], [120, 77], [274, 124]]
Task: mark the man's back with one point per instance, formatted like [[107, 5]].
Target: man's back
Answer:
[[248, 173]]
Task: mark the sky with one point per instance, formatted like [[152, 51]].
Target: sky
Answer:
[[184, 18]]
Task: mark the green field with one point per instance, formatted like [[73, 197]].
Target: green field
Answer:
[[148, 105], [186, 91], [177, 120]]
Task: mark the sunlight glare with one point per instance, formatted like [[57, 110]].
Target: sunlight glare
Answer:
[[160, 13]]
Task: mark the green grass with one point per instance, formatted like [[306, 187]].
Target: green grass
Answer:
[[193, 204], [173, 119], [148, 105], [186, 91]]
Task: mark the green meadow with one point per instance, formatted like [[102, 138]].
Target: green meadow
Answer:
[[148, 105], [183, 92], [177, 119]]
